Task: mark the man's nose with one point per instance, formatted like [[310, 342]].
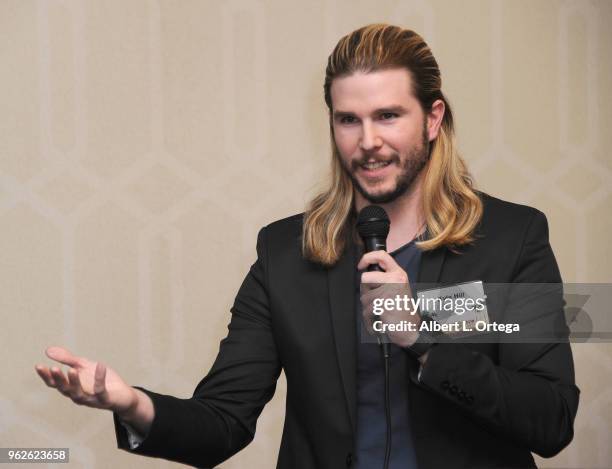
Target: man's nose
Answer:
[[369, 138]]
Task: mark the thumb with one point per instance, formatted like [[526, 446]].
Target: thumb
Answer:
[[62, 355]]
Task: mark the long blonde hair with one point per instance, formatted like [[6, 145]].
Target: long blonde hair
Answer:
[[451, 206]]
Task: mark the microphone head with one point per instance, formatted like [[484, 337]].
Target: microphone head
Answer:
[[373, 221]]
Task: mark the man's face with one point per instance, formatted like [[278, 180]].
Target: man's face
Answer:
[[380, 131]]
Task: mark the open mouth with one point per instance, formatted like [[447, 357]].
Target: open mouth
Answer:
[[375, 165]]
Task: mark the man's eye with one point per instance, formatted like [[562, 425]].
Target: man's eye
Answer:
[[347, 120], [388, 115]]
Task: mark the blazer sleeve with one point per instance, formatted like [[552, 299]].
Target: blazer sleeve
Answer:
[[220, 419], [529, 395]]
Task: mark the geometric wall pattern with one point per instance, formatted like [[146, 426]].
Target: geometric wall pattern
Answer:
[[144, 143]]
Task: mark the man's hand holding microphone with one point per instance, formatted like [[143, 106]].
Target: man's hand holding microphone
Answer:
[[384, 279], [390, 283]]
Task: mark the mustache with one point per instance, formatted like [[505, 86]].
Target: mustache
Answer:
[[355, 164]]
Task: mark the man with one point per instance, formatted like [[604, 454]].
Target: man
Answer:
[[453, 403]]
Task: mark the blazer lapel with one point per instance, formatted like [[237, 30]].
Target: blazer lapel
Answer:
[[341, 283], [431, 265]]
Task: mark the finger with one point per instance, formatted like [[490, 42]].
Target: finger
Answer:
[[45, 375], [367, 319], [393, 276], [367, 312], [61, 382], [367, 297], [382, 258], [77, 393], [365, 287], [62, 355], [100, 383], [369, 278]]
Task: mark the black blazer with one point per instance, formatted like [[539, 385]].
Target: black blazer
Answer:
[[477, 404]]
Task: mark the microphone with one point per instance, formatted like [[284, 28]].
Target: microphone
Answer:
[[373, 227]]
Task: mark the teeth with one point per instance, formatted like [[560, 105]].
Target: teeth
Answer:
[[378, 164]]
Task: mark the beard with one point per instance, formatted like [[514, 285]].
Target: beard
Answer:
[[410, 168]]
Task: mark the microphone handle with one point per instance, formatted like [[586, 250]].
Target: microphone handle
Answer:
[[374, 243], [378, 244]]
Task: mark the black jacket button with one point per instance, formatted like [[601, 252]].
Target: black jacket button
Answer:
[[349, 459], [445, 385], [453, 390], [462, 395], [469, 399]]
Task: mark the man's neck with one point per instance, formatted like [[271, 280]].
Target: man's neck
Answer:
[[405, 215]]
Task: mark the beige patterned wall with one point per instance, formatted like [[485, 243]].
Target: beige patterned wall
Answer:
[[143, 144]]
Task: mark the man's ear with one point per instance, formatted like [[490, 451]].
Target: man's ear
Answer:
[[434, 119]]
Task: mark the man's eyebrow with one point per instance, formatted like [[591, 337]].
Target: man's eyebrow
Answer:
[[396, 109], [338, 114]]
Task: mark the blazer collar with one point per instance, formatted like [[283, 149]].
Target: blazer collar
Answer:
[[341, 283]]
